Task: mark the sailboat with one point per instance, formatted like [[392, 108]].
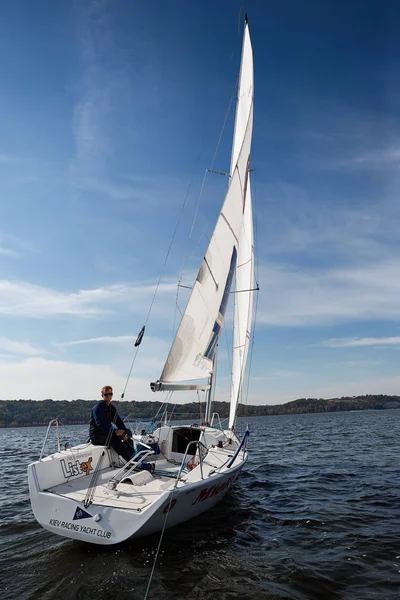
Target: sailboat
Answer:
[[177, 472]]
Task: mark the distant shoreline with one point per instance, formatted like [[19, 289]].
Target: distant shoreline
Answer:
[[38, 413]]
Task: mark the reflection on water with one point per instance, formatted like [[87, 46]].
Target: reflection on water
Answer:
[[316, 514]]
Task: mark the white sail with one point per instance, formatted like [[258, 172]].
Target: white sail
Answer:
[[245, 97], [243, 305], [194, 345]]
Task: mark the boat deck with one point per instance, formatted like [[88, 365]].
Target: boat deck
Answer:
[[141, 488], [136, 492]]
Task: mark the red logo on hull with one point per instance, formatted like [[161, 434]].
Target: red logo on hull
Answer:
[[213, 490]]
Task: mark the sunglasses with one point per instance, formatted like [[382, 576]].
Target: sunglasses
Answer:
[[108, 394]]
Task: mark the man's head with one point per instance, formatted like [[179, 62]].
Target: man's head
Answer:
[[107, 393]]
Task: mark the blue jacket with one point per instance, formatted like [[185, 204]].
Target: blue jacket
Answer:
[[101, 418]]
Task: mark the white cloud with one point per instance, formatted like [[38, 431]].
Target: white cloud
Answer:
[[11, 245], [20, 347], [28, 300], [37, 379], [103, 84], [361, 363], [385, 158], [277, 374], [323, 296], [7, 251], [106, 339], [353, 342]]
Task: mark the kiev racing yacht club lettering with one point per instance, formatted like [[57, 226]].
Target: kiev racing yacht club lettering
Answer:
[[80, 528]]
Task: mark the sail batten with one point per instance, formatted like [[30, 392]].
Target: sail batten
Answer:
[[193, 348]]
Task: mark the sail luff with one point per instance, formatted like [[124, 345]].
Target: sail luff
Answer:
[[233, 163], [244, 96]]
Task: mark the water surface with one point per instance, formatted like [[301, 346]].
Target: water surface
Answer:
[[315, 515]]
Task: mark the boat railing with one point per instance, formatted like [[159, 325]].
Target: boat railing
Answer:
[[127, 469], [57, 423], [219, 420], [200, 446]]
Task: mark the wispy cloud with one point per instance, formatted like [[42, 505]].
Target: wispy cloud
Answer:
[[361, 363], [147, 192], [324, 296], [278, 374], [354, 342], [382, 158], [102, 85], [7, 251], [11, 245], [20, 347], [108, 339], [28, 300], [7, 159]]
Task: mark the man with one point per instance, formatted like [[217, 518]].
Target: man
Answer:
[[104, 418]]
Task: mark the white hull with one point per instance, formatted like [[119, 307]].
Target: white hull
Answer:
[[138, 506]]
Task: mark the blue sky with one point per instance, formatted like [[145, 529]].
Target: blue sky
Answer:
[[111, 112]]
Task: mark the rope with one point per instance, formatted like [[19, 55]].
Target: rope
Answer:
[[159, 543]]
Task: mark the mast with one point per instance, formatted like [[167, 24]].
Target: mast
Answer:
[[209, 395]]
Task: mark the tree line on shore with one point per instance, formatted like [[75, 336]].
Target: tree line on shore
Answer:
[[24, 413]]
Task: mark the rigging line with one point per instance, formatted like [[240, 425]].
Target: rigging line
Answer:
[[96, 473], [240, 182], [159, 281], [172, 413], [204, 182]]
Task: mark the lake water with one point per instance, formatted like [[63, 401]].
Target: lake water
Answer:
[[315, 515]]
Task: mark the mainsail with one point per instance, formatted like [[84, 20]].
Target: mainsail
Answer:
[[229, 255]]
